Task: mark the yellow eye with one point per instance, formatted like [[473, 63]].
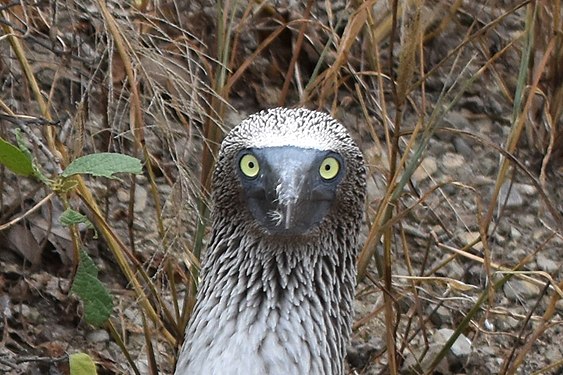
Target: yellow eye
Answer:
[[329, 168], [249, 166]]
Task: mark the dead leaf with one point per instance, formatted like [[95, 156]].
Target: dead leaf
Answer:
[[19, 238]]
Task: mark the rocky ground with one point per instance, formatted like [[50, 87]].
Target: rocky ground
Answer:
[[40, 323]]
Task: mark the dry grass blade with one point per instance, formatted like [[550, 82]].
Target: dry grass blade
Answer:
[[547, 117], [295, 55], [123, 347], [153, 367], [327, 81], [451, 101]]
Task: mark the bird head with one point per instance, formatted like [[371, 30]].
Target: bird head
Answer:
[[291, 171]]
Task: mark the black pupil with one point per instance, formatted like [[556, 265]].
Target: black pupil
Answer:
[[251, 165], [327, 167]]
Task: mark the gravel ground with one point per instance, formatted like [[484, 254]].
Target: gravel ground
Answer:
[[40, 322]]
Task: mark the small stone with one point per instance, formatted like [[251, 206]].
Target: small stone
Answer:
[[538, 235], [440, 316], [450, 189], [404, 305], [414, 364], [504, 227], [519, 289], [31, 313], [499, 239], [140, 199], [426, 169], [488, 325], [141, 179], [5, 306], [142, 363], [134, 317], [458, 354], [553, 353], [452, 269], [97, 336], [515, 234], [546, 264], [493, 364], [461, 348], [455, 270], [164, 189], [480, 180], [475, 275], [361, 309], [374, 190], [463, 148], [486, 351], [123, 195], [516, 254], [529, 190], [451, 162], [469, 237], [509, 196], [359, 353], [488, 166], [508, 323], [140, 225], [473, 104], [457, 120], [493, 108], [436, 147], [527, 221]]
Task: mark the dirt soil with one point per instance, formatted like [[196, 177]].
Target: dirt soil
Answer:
[[441, 209]]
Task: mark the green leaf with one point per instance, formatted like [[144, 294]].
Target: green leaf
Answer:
[[22, 144], [70, 217], [82, 364], [97, 300], [104, 164], [14, 159]]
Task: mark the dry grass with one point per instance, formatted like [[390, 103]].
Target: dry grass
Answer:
[[158, 82]]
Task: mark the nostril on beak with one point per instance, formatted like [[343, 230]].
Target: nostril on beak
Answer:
[[288, 193], [288, 215]]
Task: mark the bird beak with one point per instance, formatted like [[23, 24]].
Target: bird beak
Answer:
[[289, 191]]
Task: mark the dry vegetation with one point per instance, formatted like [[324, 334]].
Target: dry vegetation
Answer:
[[458, 106]]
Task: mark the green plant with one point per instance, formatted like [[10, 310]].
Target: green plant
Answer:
[[159, 84]]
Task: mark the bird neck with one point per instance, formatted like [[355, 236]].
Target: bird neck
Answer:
[[259, 266], [296, 294]]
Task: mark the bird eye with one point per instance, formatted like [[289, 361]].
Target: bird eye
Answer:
[[249, 165], [329, 168]]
